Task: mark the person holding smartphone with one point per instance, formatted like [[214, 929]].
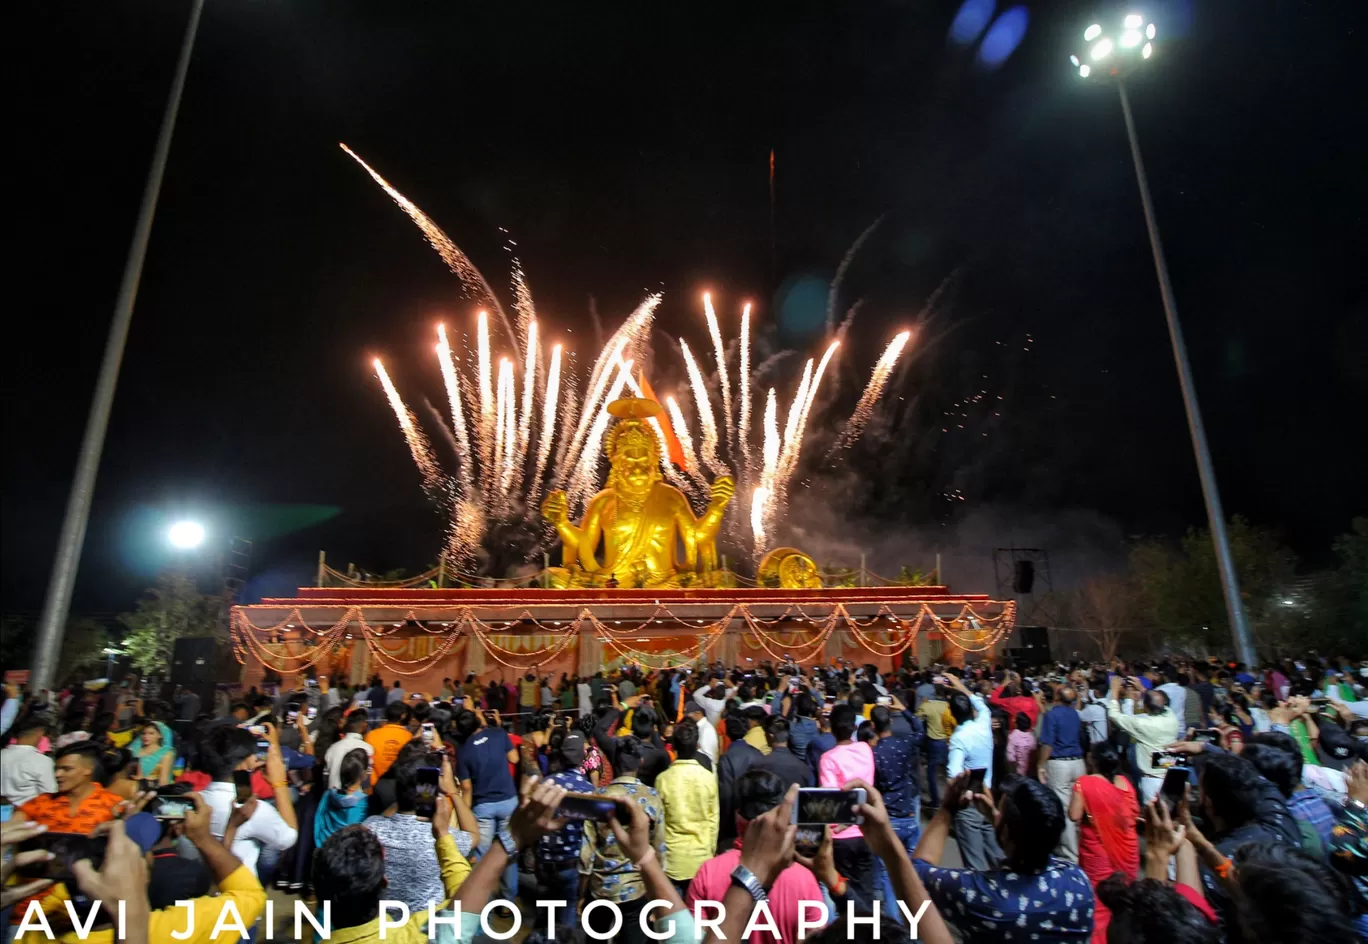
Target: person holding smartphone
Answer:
[[411, 866], [226, 750]]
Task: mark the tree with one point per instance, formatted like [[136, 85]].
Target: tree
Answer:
[[1178, 588], [83, 644], [173, 608], [1343, 595], [1104, 609]]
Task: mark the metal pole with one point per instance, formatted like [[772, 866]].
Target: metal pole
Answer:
[[63, 579], [1230, 584]]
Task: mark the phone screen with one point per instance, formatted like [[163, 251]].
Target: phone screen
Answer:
[[976, 775], [807, 840], [428, 731], [172, 808], [818, 806], [311, 713], [6, 811], [243, 781], [425, 792], [1175, 785], [1206, 735], [1163, 760], [583, 806], [263, 747]]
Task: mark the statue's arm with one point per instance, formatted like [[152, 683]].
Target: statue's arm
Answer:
[[554, 510], [687, 525], [723, 488], [590, 534]]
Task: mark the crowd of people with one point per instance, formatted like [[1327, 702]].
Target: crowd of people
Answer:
[[998, 804]]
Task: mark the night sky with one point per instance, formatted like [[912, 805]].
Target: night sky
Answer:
[[625, 148]]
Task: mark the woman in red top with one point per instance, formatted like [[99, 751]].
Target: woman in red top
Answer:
[[1105, 807], [1010, 699]]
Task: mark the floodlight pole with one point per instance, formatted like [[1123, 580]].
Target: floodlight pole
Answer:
[[57, 604], [1230, 583]]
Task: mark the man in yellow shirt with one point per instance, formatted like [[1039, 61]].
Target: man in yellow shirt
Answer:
[[349, 871], [755, 734], [935, 714], [389, 739], [688, 799], [236, 908]]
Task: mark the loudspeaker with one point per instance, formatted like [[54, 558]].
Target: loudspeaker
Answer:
[[199, 663], [1035, 637], [1023, 576]]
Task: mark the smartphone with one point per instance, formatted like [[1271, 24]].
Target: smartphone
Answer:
[[1163, 760], [425, 792], [6, 811], [807, 839], [257, 730], [311, 713], [884, 700], [429, 729], [582, 806], [310, 683], [172, 808], [818, 806], [363, 703], [242, 780], [1175, 785], [263, 747], [1206, 735], [67, 849], [976, 775]]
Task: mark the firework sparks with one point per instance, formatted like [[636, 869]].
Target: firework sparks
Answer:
[[548, 430], [487, 427], [508, 397], [686, 443], [720, 350], [453, 390], [418, 444], [757, 517], [457, 261], [877, 381], [529, 393], [763, 494], [791, 454], [630, 335], [706, 419], [586, 471], [744, 381]]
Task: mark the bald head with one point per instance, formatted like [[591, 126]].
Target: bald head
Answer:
[[1066, 695]]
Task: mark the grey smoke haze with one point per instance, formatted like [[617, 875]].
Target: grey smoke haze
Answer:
[[1080, 543]]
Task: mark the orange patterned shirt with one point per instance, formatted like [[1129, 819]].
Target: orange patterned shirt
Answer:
[[54, 811]]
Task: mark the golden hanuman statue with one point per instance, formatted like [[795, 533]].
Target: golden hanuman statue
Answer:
[[640, 519]]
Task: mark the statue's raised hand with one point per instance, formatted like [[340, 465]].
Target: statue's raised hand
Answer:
[[553, 507], [723, 488]]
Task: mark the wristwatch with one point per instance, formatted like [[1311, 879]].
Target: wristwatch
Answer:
[[746, 879]]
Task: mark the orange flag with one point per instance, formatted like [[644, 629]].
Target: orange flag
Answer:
[[671, 440]]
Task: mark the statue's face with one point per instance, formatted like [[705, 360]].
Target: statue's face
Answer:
[[634, 461]]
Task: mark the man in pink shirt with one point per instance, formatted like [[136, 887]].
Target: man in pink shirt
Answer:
[[758, 792], [849, 760]]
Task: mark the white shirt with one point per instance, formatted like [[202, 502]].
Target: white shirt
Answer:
[[395, 694], [1094, 715], [971, 746], [25, 773], [712, 707], [1177, 697], [265, 828], [586, 699], [332, 761], [707, 741]]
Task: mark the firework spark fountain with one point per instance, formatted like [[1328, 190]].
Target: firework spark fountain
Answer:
[[877, 381], [745, 383], [418, 444], [548, 430], [457, 261], [703, 405], [452, 382], [720, 349], [529, 392], [494, 442]]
